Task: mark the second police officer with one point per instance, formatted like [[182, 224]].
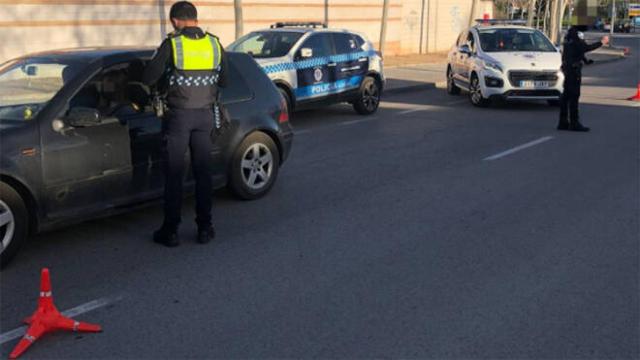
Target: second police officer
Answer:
[[573, 56], [190, 64]]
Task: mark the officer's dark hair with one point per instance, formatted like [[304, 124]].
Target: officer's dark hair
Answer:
[[572, 34], [183, 10]]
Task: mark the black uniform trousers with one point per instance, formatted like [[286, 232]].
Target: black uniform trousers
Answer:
[[570, 96], [190, 128]]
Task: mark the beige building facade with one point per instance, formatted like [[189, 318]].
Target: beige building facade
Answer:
[[414, 26]]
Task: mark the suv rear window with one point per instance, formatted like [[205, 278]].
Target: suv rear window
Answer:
[[266, 44]]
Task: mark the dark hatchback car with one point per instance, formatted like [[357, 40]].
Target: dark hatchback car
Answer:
[[79, 138]]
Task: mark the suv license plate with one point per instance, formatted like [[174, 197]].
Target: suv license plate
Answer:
[[533, 84]]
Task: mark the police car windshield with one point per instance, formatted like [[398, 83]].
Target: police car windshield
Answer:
[[497, 40], [266, 44], [26, 85]]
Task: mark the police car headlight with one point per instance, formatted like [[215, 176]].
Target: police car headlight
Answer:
[[492, 66]]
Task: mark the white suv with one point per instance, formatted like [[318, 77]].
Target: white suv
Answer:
[[504, 62], [313, 66]]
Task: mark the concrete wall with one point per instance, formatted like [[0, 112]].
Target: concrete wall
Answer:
[[36, 25]]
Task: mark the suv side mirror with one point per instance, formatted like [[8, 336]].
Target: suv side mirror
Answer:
[[83, 117], [465, 49], [306, 53]]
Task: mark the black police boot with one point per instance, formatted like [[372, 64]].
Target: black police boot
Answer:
[[206, 234], [577, 126], [563, 125], [167, 237]]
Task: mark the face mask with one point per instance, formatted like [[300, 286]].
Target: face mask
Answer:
[[580, 35]]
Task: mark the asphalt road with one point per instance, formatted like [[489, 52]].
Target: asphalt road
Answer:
[[392, 236]]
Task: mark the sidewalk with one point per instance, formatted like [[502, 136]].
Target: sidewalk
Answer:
[[419, 72]]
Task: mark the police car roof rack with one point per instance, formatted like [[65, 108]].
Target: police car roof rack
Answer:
[[501, 22], [298, 24]]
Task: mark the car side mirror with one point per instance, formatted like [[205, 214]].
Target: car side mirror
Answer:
[[465, 49], [306, 53], [83, 117]]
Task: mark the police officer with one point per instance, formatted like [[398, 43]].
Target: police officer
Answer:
[[573, 56], [190, 64]]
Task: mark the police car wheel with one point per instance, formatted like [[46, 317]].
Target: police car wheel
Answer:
[[369, 99], [475, 93], [13, 223], [452, 89], [254, 167]]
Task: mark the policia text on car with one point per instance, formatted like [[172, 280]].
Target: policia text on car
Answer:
[[190, 67]]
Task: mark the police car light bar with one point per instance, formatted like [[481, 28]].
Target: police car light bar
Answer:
[[500, 22], [298, 24]]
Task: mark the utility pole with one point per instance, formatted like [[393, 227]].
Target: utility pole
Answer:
[[421, 26], [472, 17], [326, 13], [530, 12], [237, 8], [613, 18], [383, 26]]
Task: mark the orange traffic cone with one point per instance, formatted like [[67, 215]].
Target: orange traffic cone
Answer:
[[636, 97], [47, 319]]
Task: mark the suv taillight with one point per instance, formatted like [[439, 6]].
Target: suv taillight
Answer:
[[284, 112]]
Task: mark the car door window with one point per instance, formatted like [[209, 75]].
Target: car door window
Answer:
[[471, 42], [344, 43], [320, 45]]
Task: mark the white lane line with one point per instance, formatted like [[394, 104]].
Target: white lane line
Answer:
[[357, 121], [518, 148], [81, 309], [411, 111]]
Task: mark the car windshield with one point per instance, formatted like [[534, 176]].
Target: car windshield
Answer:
[[266, 44], [496, 40], [26, 85]]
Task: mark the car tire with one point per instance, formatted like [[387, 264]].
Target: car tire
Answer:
[[452, 88], [475, 93], [254, 167], [14, 223], [554, 103], [369, 99], [287, 98]]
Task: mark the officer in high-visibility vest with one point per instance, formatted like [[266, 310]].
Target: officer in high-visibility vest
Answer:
[[190, 64]]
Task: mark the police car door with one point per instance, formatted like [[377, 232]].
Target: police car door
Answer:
[[314, 70], [352, 64]]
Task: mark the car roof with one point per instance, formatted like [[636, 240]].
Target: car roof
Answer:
[[496, 27], [92, 53], [305, 30]]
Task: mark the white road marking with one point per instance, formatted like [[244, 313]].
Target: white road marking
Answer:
[[518, 148], [358, 121], [410, 111], [81, 309]]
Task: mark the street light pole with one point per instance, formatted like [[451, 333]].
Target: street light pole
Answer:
[[383, 26], [326, 13], [613, 18]]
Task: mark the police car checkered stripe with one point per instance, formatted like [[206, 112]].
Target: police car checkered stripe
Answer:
[[315, 62]]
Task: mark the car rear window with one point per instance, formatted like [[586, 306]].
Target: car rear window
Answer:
[[237, 89]]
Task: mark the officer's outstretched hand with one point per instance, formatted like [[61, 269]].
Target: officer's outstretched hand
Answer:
[[605, 40]]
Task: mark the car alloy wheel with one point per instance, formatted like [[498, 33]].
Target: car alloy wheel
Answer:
[[257, 166], [7, 226], [371, 96], [475, 93]]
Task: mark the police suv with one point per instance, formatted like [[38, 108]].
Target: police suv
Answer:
[[313, 66], [499, 60]]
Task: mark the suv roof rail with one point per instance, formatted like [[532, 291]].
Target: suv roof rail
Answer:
[[500, 22], [310, 24]]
